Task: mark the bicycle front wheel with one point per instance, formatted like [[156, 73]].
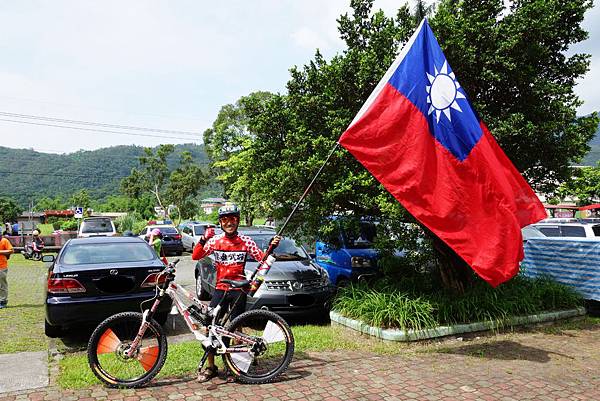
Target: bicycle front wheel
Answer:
[[114, 362], [272, 349]]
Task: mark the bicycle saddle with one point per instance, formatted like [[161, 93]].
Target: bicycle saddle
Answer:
[[236, 283]]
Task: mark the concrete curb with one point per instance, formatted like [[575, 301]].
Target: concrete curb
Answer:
[[441, 331]]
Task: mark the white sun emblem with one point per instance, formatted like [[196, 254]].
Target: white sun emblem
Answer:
[[443, 92]]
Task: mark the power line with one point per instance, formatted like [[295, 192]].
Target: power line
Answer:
[[63, 175], [93, 129], [67, 121]]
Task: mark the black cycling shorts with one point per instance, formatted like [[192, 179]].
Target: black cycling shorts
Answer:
[[230, 298]]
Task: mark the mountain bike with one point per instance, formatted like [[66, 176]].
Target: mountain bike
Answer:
[[129, 349]]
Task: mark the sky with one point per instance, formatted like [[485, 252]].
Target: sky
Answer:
[[164, 65]]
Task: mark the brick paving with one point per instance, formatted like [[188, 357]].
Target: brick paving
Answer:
[[537, 365]]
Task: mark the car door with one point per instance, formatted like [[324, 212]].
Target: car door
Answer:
[[185, 237]]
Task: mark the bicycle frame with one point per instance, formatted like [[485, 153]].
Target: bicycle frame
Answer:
[[215, 331]]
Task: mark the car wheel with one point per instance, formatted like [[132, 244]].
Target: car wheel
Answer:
[[52, 331], [201, 293], [343, 283], [179, 253], [192, 248]]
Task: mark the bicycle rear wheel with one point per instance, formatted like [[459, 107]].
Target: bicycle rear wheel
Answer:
[[272, 353], [110, 342]]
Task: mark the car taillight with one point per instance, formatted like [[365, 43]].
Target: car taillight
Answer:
[[151, 280], [58, 285], [177, 236]]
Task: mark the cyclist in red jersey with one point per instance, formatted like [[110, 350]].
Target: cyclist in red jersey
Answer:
[[230, 250]]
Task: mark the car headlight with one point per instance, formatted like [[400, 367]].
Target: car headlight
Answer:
[[324, 277], [360, 262]]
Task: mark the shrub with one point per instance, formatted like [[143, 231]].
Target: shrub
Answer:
[[69, 225], [413, 304]]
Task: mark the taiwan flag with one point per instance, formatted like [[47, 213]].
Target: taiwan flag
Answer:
[[420, 137]]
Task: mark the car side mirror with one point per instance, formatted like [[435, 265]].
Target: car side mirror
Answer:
[[48, 258], [312, 255]]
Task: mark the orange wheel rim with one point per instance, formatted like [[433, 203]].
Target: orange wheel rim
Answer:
[[108, 342], [148, 356]]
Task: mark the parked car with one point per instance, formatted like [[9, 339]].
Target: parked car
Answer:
[[295, 285], [96, 227], [348, 256], [93, 278], [568, 229], [191, 233], [529, 232], [171, 238]]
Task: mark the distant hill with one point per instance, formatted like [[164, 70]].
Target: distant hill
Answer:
[[593, 156], [26, 174]]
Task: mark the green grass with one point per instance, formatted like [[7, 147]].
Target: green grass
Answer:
[[22, 322], [399, 305]]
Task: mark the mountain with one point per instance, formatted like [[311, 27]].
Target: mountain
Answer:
[[28, 175], [593, 156]]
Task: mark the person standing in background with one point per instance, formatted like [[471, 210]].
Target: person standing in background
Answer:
[[6, 250]]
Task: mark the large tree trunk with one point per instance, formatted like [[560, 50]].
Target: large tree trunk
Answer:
[[455, 273]]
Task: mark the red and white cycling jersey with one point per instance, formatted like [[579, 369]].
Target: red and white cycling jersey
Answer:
[[230, 256]]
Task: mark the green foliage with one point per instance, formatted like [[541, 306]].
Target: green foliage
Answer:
[[9, 210], [585, 185], [128, 222], [69, 225], [417, 304], [153, 176], [81, 198], [49, 203], [512, 63], [98, 171]]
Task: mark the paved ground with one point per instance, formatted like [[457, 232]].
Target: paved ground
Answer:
[[537, 365]]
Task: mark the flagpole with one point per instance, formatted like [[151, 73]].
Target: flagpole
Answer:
[[337, 144]]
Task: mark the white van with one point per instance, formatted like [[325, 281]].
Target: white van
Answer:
[[96, 227]]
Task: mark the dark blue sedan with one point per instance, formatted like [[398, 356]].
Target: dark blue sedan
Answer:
[[93, 278]]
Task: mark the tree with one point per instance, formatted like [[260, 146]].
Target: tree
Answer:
[[184, 184], [81, 198], [9, 210], [154, 177], [511, 62], [151, 176], [229, 146], [585, 186], [48, 203]]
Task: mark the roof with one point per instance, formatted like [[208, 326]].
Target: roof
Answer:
[[214, 200], [104, 240]]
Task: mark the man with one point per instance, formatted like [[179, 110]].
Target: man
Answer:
[[230, 250], [6, 250]]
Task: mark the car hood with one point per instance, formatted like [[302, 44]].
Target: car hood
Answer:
[[289, 270]]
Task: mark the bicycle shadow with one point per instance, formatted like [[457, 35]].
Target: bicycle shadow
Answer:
[[298, 369]]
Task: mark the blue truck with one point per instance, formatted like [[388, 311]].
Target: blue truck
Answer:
[[349, 255]]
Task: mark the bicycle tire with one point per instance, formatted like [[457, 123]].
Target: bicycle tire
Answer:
[[109, 339], [274, 330]]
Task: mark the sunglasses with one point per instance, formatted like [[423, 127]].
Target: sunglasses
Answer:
[[229, 219]]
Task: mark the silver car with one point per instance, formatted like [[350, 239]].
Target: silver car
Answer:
[[295, 285], [191, 233]]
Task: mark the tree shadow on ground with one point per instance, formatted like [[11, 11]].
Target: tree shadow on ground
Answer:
[[504, 350]]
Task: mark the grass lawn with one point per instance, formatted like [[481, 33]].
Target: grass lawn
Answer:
[[22, 322]]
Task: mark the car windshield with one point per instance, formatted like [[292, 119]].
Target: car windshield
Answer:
[[97, 226], [361, 236], [84, 254], [198, 230], [167, 230], [286, 250]]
